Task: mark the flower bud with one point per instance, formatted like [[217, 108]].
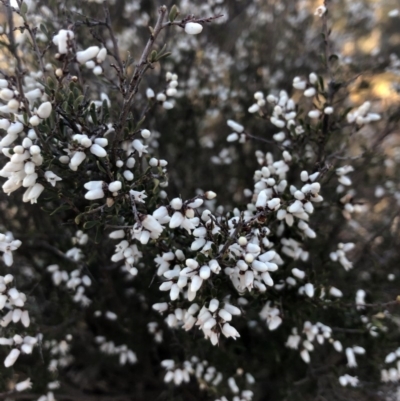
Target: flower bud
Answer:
[[193, 28], [44, 110]]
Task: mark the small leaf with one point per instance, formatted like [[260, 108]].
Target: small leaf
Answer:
[[90, 224], [138, 125], [51, 83], [163, 56], [100, 167], [173, 13], [153, 56], [61, 208], [93, 113], [78, 101], [44, 29], [24, 9]]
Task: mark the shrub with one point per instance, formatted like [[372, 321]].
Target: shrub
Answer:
[[192, 218]]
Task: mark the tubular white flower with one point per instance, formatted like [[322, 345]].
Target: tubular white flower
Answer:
[[309, 290], [114, 186], [32, 193], [230, 331], [235, 126], [196, 283], [15, 128], [151, 224], [310, 92], [83, 56], [77, 159], [11, 357], [95, 194], [101, 55], [98, 150], [139, 147], [176, 220], [351, 359], [193, 28], [24, 385], [44, 110]]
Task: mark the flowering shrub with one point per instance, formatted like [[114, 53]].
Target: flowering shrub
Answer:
[[157, 260]]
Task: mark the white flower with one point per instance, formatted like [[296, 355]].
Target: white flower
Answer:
[[114, 186], [320, 11], [77, 159], [11, 357], [351, 359], [309, 290], [7, 246], [230, 331], [139, 147], [139, 196], [95, 190], [235, 126], [44, 110], [98, 150], [83, 56], [271, 315], [305, 356], [52, 178], [293, 340], [193, 28], [21, 386], [32, 193]]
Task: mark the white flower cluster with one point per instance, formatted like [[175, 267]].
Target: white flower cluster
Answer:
[[74, 281], [14, 300], [92, 58], [170, 92], [271, 315], [7, 245], [320, 333], [63, 40], [207, 376], [392, 374], [340, 255], [77, 150], [212, 320], [347, 380], [59, 351], [124, 354], [21, 170], [20, 345], [130, 254], [361, 116], [343, 178], [155, 330]]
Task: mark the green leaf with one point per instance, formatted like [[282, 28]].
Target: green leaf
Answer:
[[163, 56], [321, 82], [153, 56], [105, 110], [51, 83], [100, 167], [173, 13], [138, 125], [61, 208], [23, 9], [93, 113], [156, 184], [44, 29], [90, 224], [78, 101]]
